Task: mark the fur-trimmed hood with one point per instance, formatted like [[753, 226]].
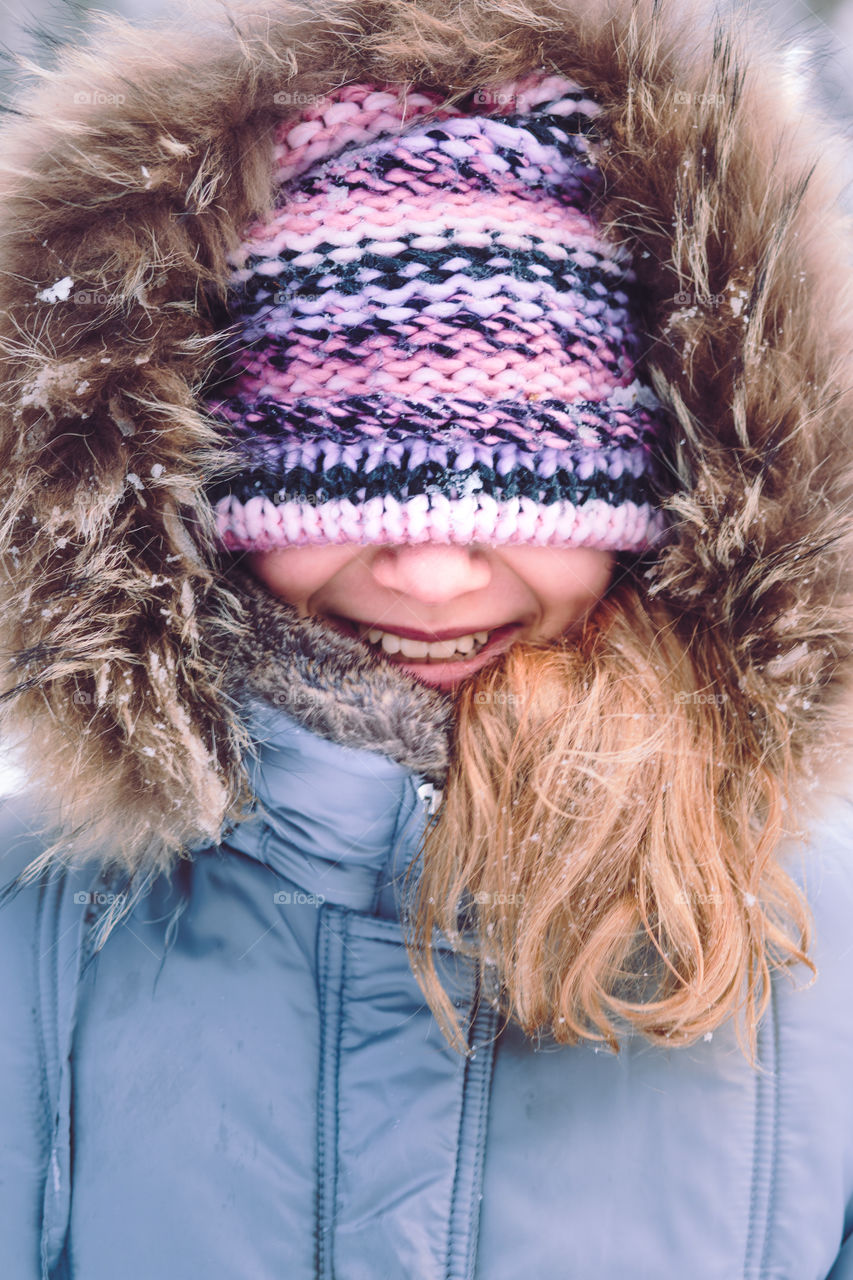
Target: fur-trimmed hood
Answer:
[[126, 177]]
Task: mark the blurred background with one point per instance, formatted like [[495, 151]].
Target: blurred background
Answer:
[[34, 27], [821, 30]]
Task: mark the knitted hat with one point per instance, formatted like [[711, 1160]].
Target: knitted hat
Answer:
[[436, 340]]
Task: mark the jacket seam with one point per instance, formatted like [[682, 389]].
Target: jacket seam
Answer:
[[471, 1132], [331, 972], [322, 980], [342, 988], [55, 1051], [766, 1117], [490, 1047], [774, 1148], [456, 1192], [39, 963]]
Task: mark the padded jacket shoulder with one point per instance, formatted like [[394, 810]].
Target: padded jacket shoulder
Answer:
[[25, 1123]]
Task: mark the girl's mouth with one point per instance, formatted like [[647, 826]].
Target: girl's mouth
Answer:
[[452, 650], [442, 662]]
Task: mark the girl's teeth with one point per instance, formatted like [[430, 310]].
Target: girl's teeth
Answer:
[[420, 650], [413, 648], [443, 649]]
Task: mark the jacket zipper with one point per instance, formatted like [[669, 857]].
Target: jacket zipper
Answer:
[[463, 1219]]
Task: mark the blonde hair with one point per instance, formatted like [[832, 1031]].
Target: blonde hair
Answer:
[[609, 822]]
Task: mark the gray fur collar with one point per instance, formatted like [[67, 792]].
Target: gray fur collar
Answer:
[[329, 683]]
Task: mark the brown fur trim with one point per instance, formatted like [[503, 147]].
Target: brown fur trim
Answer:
[[133, 169]]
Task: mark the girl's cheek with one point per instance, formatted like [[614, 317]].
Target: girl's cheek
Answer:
[[567, 581], [265, 566], [297, 573]]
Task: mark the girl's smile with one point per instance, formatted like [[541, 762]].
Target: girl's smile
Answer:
[[441, 612], [437, 659]]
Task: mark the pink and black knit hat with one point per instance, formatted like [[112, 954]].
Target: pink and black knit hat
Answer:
[[436, 341]]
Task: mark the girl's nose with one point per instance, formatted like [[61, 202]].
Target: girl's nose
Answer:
[[431, 573]]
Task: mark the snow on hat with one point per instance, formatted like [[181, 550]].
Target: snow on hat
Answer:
[[436, 342]]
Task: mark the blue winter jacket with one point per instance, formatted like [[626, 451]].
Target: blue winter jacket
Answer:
[[246, 1083]]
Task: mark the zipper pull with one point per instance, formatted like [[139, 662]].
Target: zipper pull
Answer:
[[430, 796]]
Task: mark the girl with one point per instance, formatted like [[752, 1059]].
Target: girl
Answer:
[[426, 461]]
